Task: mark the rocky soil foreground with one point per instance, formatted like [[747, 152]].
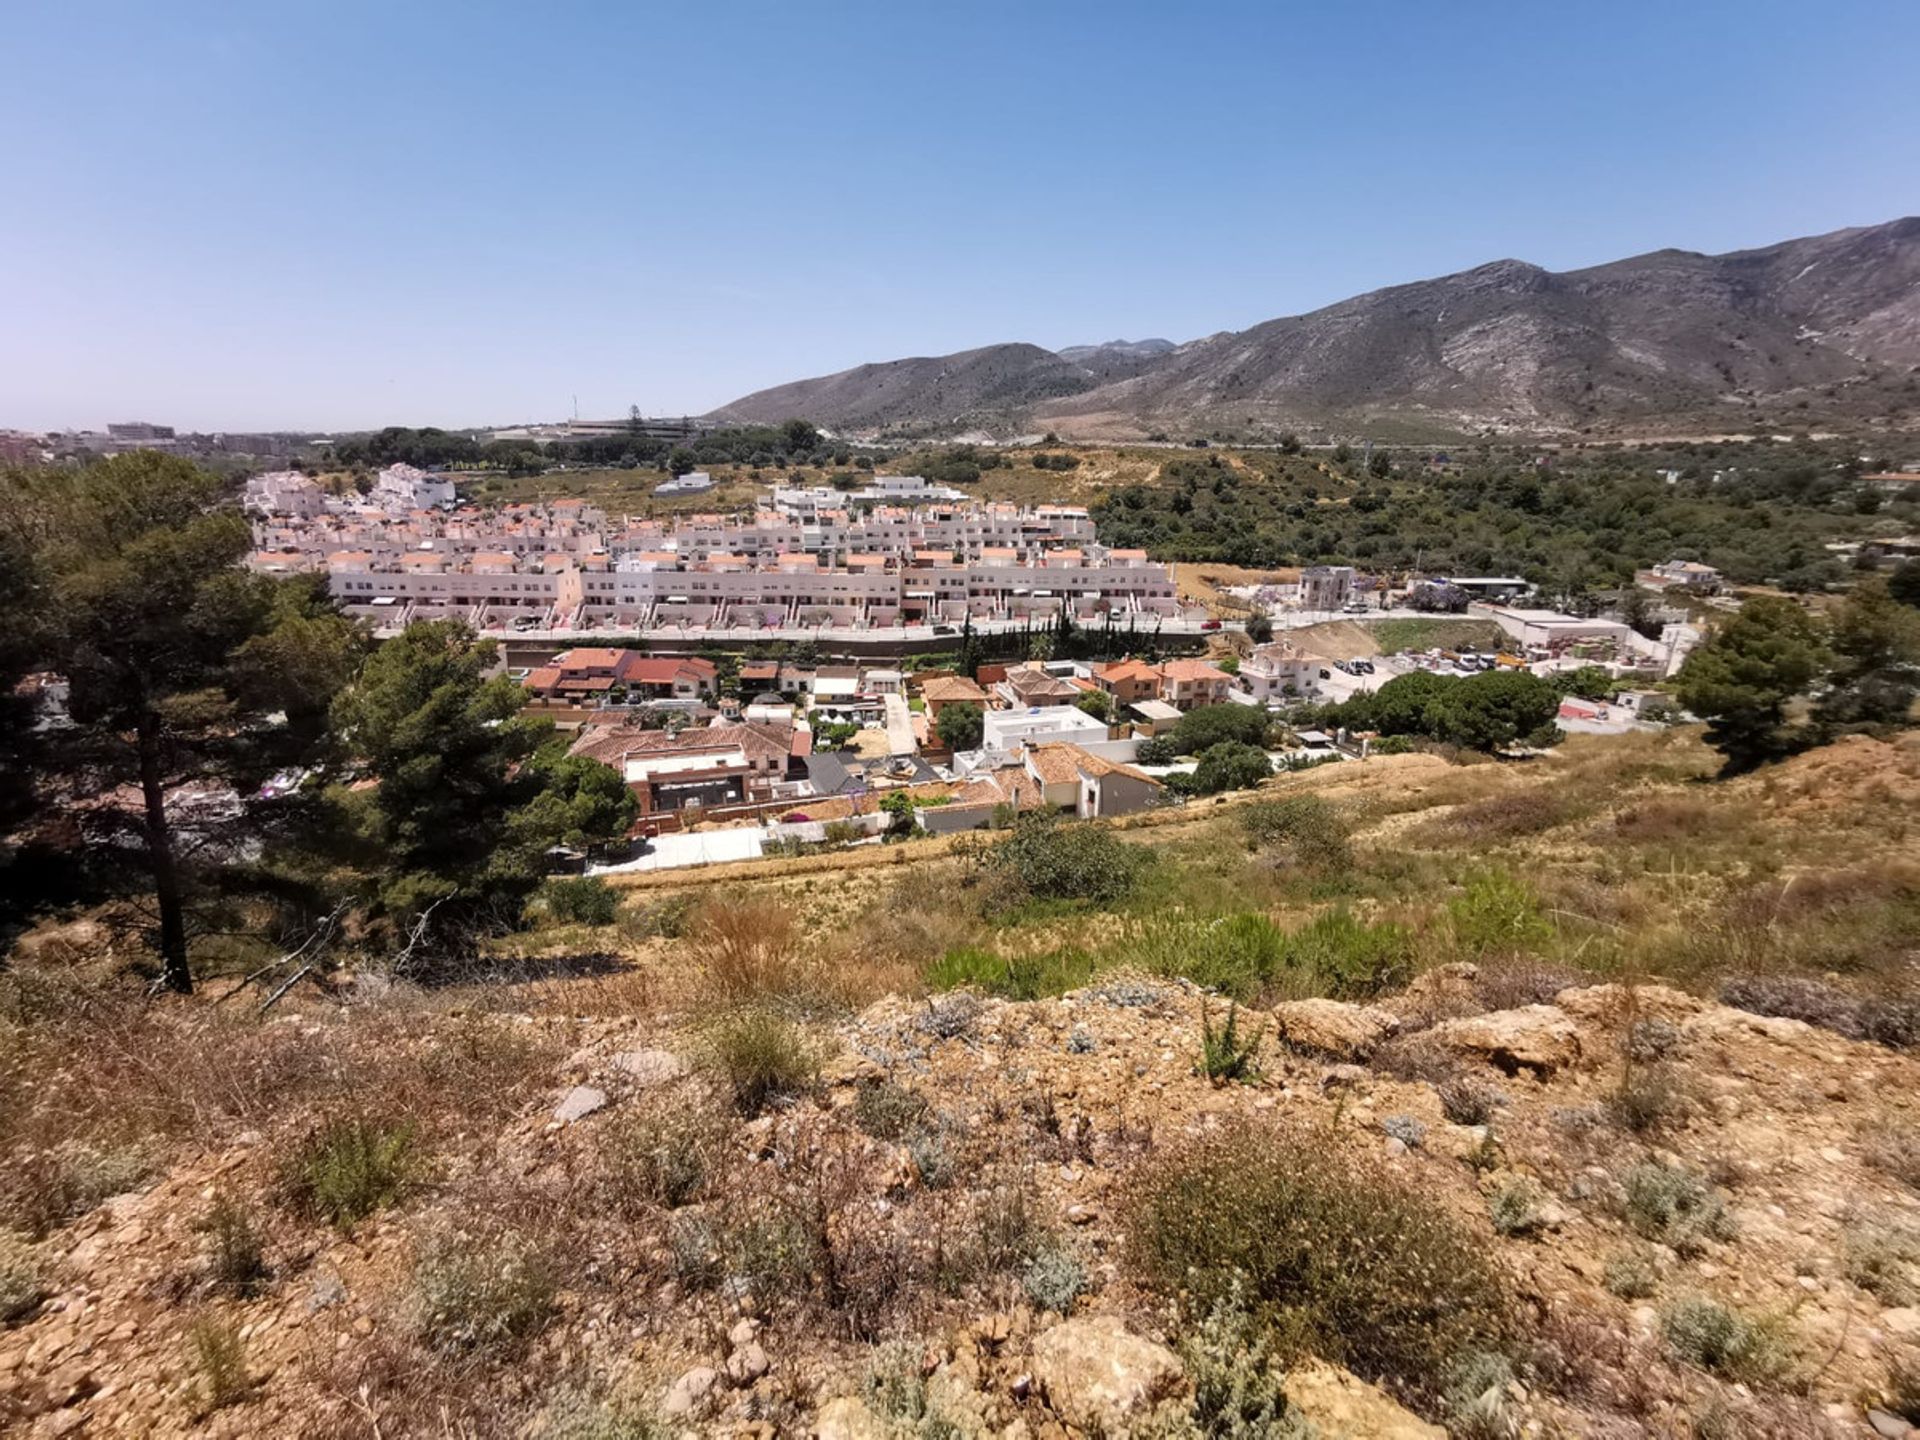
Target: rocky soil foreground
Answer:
[[1512, 1121]]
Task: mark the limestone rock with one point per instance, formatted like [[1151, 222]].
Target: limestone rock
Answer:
[[688, 1397], [648, 1067], [578, 1103], [1096, 1374], [1340, 1403], [1540, 1038], [748, 1364], [847, 1419], [1611, 1004], [1331, 1027]]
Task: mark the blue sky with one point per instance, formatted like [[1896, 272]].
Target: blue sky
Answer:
[[302, 213]]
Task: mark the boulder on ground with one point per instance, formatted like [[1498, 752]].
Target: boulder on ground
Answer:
[[1097, 1375], [1332, 1027], [1340, 1403], [690, 1396], [1540, 1038], [1613, 1004], [578, 1103], [848, 1419]]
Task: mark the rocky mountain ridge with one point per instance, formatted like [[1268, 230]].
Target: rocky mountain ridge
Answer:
[[1824, 328]]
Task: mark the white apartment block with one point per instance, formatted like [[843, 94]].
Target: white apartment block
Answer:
[[563, 564], [1326, 587], [400, 488]]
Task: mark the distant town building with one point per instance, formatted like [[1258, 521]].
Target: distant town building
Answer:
[[1688, 575], [691, 483], [1326, 587], [400, 488]]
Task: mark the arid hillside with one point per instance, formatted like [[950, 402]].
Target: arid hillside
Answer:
[[1820, 329], [1573, 1097]]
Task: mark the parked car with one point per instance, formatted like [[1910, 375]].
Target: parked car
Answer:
[[1209, 624]]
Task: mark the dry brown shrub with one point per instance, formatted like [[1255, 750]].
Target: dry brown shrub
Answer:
[[747, 948], [1656, 820]]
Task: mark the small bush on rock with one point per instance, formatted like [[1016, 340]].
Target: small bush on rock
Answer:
[[1326, 1243], [887, 1111], [349, 1168], [1676, 1207], [1468, 1101], [1239, 1384], [236, 1256], [217, 1356], [473, 1292], [657, 1155], [1054, 1276], [763, 1057], [22, 1285], [1715, 1337], [1631, 1274], [1884, 1260], [1518, 1207]]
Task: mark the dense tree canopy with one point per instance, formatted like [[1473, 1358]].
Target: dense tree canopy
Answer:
[[1741, 680], [468, 795], [168, 648]]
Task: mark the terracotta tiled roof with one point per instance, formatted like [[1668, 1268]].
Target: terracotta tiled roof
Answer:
[[952, 688]]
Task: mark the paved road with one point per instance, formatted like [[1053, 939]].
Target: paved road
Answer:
[[900, 739], [708, 847], [828, 634]]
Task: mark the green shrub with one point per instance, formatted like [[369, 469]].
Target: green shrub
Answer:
[[236, 1258], [217, 1356], [1224, 1055], [1517, 1207], [1156, 750], [888, 1111], [1054, 1277], [580, 900], [1230, 765], [657, 1155], [1239, 1384], [1306, 827], [1649, 1097], [1238, 955], [1676, 1207], [579, 1414], [1497, 913], [22, 1285], [1048, 859], [763, 1056], [1350, 959], [471, 1292], [1883, 1259], [667, 919], [1717, 1338], [1337, 1253], [1020, 977], [1631, 1274], [1476, 1396], [350, 1168]]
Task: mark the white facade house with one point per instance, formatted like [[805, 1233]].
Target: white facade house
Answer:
[[1326, 587], [1007, 731], [400, 488], [691, 483], [1277, 672]]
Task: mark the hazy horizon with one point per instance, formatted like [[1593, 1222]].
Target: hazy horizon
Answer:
[[228, 219]]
